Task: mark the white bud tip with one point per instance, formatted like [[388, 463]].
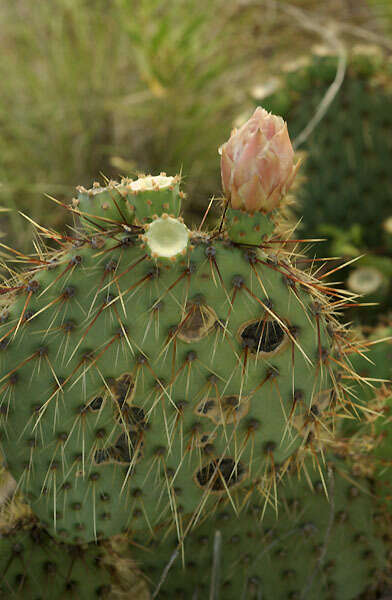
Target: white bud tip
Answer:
[[149, 183], [166, 238]]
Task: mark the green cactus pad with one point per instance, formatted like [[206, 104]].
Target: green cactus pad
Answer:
[[132, 391], [314, 547]]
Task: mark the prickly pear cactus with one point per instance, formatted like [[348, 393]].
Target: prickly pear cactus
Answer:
[[149, 371], [348, 153], [314, 546]]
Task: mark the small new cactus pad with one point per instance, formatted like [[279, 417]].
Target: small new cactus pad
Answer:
[[130, 201], [104, 206], [154, 196], [34, 567], [134, 388], [349, 151], [316, 547]]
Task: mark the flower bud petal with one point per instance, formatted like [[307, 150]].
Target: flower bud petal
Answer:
[[257, 163]]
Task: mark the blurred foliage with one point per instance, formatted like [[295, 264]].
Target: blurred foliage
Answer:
[[113, 88], [349, 153], [382, 9], [59, 62], [116, 88]]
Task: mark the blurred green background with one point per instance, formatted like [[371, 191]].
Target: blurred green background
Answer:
[[97, 88]]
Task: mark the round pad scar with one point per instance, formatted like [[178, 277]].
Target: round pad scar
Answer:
[[365, 280], [167, 237]]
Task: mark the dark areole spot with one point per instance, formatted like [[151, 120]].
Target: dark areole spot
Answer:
[[96, 403], [262, 336], [102, 455], [213, 474]]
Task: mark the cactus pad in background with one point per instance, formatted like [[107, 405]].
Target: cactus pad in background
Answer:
[[318, 547], [33, 566], [370, 439], [141, 384], [373, 361], [382, 453]]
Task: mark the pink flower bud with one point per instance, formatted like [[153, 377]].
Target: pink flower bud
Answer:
[[257, 163]]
